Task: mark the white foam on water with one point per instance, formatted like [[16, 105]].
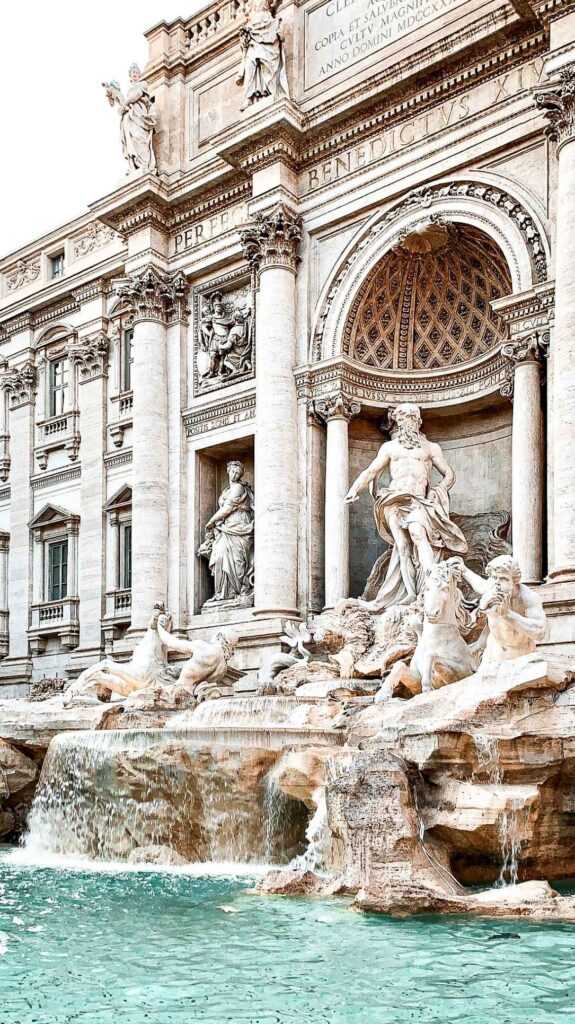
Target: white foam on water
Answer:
[[22, 857]]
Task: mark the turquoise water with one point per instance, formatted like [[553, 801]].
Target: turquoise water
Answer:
[[81, 947]]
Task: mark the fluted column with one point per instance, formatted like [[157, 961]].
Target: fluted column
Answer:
[[557, 99], [271, 244], [527, 470], [336, 411], [20, 383], [154, 295], [89, 356]]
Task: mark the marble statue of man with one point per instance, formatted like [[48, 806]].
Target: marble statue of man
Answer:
[[515, 616], [411, 513], [263, 71]]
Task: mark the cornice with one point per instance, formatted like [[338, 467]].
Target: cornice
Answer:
[[58, 476], [224, 412], [330, 140]]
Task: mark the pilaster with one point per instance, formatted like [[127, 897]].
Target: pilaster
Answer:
[[336, 411]]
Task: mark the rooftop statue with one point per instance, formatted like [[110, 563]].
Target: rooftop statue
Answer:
[[263, 71], [410, 513], [137, 123], [515, 616]]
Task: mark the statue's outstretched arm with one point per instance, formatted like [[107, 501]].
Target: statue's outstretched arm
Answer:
[[173, 643], [477, 583], [378, 465]]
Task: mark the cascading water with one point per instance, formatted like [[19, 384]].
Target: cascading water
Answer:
[[200, 793], [509, 832]]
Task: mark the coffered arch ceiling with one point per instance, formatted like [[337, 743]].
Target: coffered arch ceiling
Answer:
[[426, 304]]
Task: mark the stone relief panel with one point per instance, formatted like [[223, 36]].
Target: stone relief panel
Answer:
[[94, 237], [427, 305], [223, 333], [24, 272]]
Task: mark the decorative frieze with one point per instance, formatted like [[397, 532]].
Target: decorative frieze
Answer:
[[90, 355], [557, 100], [337, 406], [21, 383], [95, 236], [24, 273], [154, 294], [59, 476], [273, 239]]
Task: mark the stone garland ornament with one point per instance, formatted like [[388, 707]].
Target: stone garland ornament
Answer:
[[225, 340], [22, 274], [263, 68], [137, 123], [95, 237], [229, 543]]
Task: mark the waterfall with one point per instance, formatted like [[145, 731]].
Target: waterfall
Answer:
[[201, 793], [316, 835], [242, 711], [508, 828]]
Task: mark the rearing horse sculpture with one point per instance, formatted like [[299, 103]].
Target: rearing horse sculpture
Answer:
[[147, 666], [441, 655]]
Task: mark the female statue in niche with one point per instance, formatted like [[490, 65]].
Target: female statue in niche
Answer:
[[229, 541], [137, 123], [263, 71]]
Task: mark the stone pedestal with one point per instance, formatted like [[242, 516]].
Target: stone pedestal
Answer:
[[337, 412], [271, 245], [155, 295], [527, 484]]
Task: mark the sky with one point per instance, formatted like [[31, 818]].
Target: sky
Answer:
[[59, 141]]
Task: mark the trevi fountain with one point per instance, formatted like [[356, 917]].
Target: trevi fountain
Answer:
[[287, 533]]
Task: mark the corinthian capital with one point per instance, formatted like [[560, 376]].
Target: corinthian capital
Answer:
[[20, 383], [336, 407], [557, 100], [154, 294], [272, 240], [90, 355], [532, 348]]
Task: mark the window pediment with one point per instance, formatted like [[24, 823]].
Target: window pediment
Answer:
[[53, 515]]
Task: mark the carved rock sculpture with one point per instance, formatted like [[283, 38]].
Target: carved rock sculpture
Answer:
[[137, 123], [203, 674], [263, 71], [229, 542]]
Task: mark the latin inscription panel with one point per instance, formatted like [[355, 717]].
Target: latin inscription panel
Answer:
[[340, 33]]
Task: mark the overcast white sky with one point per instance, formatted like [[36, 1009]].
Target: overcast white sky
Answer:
[[59, 142]]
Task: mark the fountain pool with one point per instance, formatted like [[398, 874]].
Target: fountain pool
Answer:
[[81, 946]]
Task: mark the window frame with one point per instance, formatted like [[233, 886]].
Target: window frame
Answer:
[[56, 590], [57, 390], [57, 264]]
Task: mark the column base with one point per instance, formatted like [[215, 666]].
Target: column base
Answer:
[[278, 613], [564, 574]]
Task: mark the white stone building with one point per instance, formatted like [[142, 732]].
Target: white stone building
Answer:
[[398, 228]]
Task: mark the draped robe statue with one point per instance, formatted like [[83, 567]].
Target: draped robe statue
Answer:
[[137, 123], [411, 514], [263, 71], [229, 542]]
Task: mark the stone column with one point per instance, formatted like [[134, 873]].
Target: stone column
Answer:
[[271, 245], [89, 355], [153, 295], [557, 99], [527, 469], [21, 386], [336, 411]]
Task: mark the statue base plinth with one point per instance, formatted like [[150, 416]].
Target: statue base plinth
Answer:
[[244, 601]]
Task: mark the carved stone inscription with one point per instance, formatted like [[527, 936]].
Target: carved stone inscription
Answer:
[[340, 33]]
